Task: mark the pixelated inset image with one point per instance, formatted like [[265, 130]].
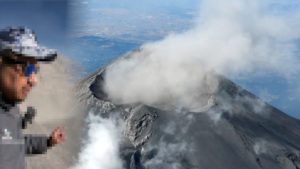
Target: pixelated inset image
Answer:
[[125, 84]]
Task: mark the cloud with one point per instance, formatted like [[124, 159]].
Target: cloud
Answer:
[[267, 96], [228, 38], [171, 146], [167, 155], [113, 11], [294, 94], [262, 146], [101, 146], [128, 21]]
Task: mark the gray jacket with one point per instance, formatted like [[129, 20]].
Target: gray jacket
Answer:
[[13, 144]]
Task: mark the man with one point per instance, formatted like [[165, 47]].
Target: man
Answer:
[[19, 58]]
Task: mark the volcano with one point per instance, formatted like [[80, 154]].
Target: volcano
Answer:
[[234, 129]]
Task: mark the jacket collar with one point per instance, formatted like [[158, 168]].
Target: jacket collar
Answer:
[[5, 105]]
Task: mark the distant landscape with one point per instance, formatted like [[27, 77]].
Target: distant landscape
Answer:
[[94, 52]]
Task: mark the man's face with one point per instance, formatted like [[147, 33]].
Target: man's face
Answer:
[[13, 83]]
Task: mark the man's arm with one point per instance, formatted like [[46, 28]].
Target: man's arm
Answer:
[[36, 144]]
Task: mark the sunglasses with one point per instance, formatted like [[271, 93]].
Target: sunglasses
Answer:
[[27, 68]]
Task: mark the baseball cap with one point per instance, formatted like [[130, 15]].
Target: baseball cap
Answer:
[[23, 41]]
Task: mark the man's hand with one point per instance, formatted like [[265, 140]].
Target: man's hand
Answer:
[[57, 136]]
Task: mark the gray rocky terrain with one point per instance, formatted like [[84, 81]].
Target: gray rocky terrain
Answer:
[[233, 130]]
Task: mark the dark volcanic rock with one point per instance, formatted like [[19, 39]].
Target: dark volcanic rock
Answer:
[[249, 133], [139, 125]]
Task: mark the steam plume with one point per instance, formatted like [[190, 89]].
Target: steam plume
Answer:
[[232, 38], [236, 38], [101, 150]]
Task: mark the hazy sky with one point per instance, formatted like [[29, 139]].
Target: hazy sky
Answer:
[[146, 20], [49, 19], [142, 20], [132, 19]]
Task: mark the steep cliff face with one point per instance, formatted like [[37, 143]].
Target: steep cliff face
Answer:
[[232, 130]]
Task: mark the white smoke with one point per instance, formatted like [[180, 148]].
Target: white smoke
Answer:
[[167, 155], [262, 146], [236, 38], [232, 38], [101, 147]]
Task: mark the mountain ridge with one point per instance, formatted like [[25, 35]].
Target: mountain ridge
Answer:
[[238, 130]]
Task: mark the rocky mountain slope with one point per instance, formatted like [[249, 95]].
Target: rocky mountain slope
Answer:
[[233, 130]]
